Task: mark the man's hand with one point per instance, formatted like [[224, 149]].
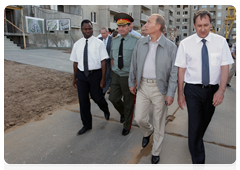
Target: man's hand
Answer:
[[133, 90], [103, 83], [218, 98], [181, 101], [75, 83], [169, 100]]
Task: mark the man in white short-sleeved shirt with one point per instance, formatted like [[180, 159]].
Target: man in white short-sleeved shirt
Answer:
[[203, 60], [89, 56]]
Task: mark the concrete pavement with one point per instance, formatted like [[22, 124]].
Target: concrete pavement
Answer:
[[54, 140]]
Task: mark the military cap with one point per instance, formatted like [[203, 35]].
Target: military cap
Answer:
[[123, 18]]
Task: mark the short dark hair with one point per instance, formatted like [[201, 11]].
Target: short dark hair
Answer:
[[86, 21], [115, 33], [201, 13]]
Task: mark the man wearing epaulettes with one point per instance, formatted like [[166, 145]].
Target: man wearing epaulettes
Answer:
[[121, 54]]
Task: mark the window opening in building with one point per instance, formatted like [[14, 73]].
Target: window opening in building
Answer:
[[93, 17], [185, 12], [60, 8], [212, 13]]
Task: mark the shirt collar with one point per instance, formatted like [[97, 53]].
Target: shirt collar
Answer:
[[161, 40], [107, 38], [126, 37], [89, 39], [158, 40], [208, 38]]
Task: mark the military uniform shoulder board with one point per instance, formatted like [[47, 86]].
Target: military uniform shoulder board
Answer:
[[135, 36]]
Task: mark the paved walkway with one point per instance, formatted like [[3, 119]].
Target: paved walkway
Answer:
[[54, 140]]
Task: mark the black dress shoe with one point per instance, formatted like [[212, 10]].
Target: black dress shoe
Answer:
[[125, 132], [155, 159], [83, 130], [107, 115], [145, 140], [228, 85], [122, 119]]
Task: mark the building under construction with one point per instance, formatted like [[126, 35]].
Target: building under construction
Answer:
[[58, 26]]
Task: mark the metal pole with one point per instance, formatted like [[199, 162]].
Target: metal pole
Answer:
[[24, 42]]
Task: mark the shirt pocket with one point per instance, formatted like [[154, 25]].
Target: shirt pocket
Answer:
[[127, 56], [215, 59], [93, 57]]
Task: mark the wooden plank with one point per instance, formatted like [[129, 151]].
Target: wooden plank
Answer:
[[14, 8]]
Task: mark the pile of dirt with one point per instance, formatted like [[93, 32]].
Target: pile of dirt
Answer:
[[31, 93]]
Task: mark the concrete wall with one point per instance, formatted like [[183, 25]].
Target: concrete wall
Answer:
[[104, 18]]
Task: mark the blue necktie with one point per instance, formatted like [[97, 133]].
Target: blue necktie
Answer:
[[85, 59], [205, 64]]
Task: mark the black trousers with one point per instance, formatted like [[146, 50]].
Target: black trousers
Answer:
[[200, 111], [86, 85]]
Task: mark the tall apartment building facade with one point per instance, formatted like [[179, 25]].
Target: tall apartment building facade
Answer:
[[104, 14], [176, 16], [184, 19]]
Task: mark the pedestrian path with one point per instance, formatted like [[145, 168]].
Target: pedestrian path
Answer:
[[54, 140]]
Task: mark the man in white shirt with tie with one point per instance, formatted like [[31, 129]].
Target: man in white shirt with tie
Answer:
[[89, 56], [203, 60]]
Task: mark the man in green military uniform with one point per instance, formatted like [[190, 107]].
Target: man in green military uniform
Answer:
[[121, 54]]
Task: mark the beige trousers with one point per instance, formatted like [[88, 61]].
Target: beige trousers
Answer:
[[147, 94]]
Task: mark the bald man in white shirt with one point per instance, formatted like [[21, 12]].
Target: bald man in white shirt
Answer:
[[203, 60]]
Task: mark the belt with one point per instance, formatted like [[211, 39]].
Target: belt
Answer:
[[90, 71], [205, 87], [149, 80]]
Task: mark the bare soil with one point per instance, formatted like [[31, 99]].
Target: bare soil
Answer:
[[31, 93]]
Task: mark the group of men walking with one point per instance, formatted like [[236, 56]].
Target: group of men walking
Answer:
[[150, 69]]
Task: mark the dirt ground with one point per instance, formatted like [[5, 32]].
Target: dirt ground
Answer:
[[32, 93]]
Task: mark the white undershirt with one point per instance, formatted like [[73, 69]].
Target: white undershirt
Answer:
[[149, 68]]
